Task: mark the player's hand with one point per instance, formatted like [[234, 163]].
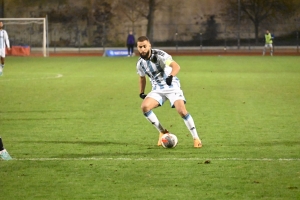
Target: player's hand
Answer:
[[143, 96], [169, 80], [153, 57]]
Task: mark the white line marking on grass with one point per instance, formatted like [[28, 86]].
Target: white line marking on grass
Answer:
[[59, 76], [158, 159], [26, 79]]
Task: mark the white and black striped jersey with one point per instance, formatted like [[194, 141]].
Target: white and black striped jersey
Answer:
[[4, 39], [158, 71]]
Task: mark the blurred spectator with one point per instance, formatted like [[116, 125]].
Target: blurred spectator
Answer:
[[130, 43]]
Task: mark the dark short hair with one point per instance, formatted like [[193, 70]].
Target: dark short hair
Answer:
[[143, 38]]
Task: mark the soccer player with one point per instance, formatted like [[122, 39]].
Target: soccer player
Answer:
[[3, 40], [268, 42], [162, 70]]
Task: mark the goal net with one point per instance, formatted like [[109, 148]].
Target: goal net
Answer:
[[29, 32]]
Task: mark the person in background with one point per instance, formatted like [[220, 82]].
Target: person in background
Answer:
[[4, 42], [268, 42], [130, 43]]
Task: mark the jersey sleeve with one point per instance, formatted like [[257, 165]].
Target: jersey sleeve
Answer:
[[139, 69], [164, 58], [6, 39]]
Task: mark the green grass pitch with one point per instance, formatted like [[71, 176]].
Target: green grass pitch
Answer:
[[74, 128]]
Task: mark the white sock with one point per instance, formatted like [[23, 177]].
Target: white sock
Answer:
[[189, 122], [151, 117]]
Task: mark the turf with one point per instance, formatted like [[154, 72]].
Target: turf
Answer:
[[74, 128]]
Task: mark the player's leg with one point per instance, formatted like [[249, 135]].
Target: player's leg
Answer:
[[1, 70], [128, 49], [1, 144], [3, 152], [131, 50], [147, 106], [264, 51], [152, 101], [271, 49], [1, 65], [189, 122], [177, 100], [2, 56]]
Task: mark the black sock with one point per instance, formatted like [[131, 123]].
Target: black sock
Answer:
[[1, 144]]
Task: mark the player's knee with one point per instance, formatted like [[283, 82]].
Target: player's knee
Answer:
[[145, 107]]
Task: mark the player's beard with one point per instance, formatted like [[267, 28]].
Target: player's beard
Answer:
[[146, 56]]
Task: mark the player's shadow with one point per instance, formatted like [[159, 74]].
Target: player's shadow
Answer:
[[88, 143], [114, 152], [37, 111], [41, 118], [104, 155]]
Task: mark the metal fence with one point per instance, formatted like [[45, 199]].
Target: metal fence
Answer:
[[222, 35], [166, 35]]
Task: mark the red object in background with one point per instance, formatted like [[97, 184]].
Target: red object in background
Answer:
[[18, 51]]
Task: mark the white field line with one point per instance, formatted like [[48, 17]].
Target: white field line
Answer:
[[157, 159], [26, 79]]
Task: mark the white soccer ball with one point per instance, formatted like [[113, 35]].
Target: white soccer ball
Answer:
[[169, 140]]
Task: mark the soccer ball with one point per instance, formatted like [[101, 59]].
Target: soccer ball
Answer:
[[169, 140]]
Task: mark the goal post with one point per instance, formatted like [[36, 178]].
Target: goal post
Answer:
[[28, 31]]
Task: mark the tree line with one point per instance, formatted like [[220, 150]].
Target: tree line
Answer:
[[99, 12]]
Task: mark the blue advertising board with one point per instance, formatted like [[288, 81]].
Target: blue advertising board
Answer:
[[116, 52]]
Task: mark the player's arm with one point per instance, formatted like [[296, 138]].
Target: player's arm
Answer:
[[7, 40], [142, 83], [175, 69]]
